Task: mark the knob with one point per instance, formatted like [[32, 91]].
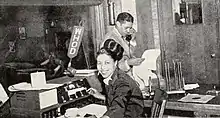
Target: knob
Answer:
[[213, 55]]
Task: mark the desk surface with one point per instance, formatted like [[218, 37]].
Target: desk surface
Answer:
[[210, 108]]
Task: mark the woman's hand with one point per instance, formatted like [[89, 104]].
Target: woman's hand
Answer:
[[92, 91], [95, 93]]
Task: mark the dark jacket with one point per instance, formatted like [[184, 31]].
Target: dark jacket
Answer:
[[123, 97]]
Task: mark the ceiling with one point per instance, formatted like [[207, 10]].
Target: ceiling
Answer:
[[48, 2]]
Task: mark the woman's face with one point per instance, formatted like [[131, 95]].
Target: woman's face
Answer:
[[106, 65]]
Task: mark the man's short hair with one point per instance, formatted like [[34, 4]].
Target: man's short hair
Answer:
[[125, 16]]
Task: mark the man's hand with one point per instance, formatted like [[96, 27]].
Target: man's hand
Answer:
[[105, 116], [92, 116], [135, 61]]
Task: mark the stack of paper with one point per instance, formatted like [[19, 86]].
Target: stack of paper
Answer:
[[191, 86], [196, 98]]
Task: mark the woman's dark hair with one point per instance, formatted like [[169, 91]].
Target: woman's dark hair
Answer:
[[125, 16], [112, 49]]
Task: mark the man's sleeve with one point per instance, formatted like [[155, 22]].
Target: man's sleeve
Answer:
[[123, 64]]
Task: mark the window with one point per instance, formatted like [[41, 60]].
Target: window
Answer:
[[187, 11]]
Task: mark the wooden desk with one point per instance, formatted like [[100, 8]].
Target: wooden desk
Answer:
[[200, 110]]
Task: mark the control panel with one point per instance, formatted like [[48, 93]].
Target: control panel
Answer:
[[72, 90]]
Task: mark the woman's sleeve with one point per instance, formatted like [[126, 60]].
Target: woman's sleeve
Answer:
[[117, 105]]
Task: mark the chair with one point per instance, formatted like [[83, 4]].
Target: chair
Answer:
[[159, 103]]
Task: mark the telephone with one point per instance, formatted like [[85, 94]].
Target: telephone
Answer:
[[128, 38]]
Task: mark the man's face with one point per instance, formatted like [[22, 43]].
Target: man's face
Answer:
[[124, 28]]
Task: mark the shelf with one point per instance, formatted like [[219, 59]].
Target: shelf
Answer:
[[50, 2]]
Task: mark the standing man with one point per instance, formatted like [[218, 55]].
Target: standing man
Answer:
[[124, 34]]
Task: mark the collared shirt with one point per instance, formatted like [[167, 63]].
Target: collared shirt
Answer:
[[123, 97], [106, 81]]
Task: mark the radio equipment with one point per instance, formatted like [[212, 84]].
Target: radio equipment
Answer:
[[72, 90]]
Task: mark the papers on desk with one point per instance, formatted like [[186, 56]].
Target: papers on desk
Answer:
[[197, 98], [191, 86], [92, 109]]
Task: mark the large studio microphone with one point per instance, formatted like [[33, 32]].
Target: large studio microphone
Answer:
[[75, 41]]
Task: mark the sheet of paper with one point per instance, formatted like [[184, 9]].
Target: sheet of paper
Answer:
[[197, 98], [93, 109], [48, 98], [85, 71], [150, 56], [3, 94], [38, 79], [143, 71]]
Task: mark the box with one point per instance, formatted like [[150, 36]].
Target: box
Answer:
[[28, 113], [34, 99]]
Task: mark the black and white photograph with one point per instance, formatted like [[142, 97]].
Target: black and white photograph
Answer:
[[109, 58]]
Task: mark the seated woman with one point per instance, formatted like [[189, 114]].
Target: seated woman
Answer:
[[122, 95]]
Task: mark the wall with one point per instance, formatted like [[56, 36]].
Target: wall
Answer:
[[144, 29], [195, 43], [145, 26], [33, 21], [190, 44], [37, 20]]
